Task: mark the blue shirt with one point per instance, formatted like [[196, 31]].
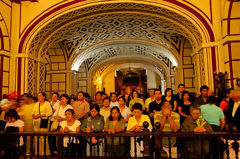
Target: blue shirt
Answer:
[[212, 114]]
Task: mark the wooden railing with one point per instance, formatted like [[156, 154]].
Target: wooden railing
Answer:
[[147, 137]]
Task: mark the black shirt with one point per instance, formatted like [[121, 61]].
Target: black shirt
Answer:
[[155, 106]]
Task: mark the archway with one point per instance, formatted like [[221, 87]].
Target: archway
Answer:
[[86, 27]]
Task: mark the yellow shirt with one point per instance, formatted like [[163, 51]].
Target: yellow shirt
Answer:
[[148, 101], [44, 109], [132, 122]]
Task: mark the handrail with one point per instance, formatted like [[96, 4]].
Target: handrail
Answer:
[[101, 134]]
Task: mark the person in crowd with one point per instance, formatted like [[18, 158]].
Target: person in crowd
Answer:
[[72, 100], [170, 98], [59, 114], [195, 123], [81, 107], [124, 110], [26, 115], [87, 98], [122, 92], [178, 96], [105, 110], [94, 123], [10, 143], [127, 99], [203, 98], [184, 106], [169, 122], [115, 123], [55, 105], [14, 104], [41, 112], [156, 105], [215, 117], [114, 101], [233, 113], [138, 89], [4, 100], [135, 99], [135, 124], [104, 95], [67, 126], [149, 100], [98, 99], [224, 105]]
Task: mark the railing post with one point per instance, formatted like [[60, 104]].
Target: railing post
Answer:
[[146, 143], [60, 144]]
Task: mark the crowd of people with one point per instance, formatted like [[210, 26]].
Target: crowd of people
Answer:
[[126, 111]]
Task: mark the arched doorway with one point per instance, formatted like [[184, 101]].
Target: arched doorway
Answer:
[[77, 35]]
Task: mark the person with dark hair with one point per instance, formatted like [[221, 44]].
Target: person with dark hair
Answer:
[[94, 123], [67, 126], [156, 105], [98, 99], [170, 98], [81, 107], [178, 96], [125, 111], [122, 92], [14, 99], [224, 105], [59, 114], [169, 122], [114, 101], [10, 143], [55, 105], [105, 110], [184, 106], [127, 99], [135, 99], [149, 100], [71, 100], [203, 98], [41, 112], [87, 98], [135, 124], [114, 124]]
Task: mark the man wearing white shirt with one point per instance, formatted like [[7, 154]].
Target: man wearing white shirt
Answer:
[[114, 101], [55, 105]]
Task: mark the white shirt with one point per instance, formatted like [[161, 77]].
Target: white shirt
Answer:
[[61, 111], [112, 104], [4, 102], [18, 123], [73, 128], [126, 111], [54, 107], [235, 107]]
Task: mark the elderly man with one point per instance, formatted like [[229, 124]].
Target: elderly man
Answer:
[[195, 123], [169, 122]]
